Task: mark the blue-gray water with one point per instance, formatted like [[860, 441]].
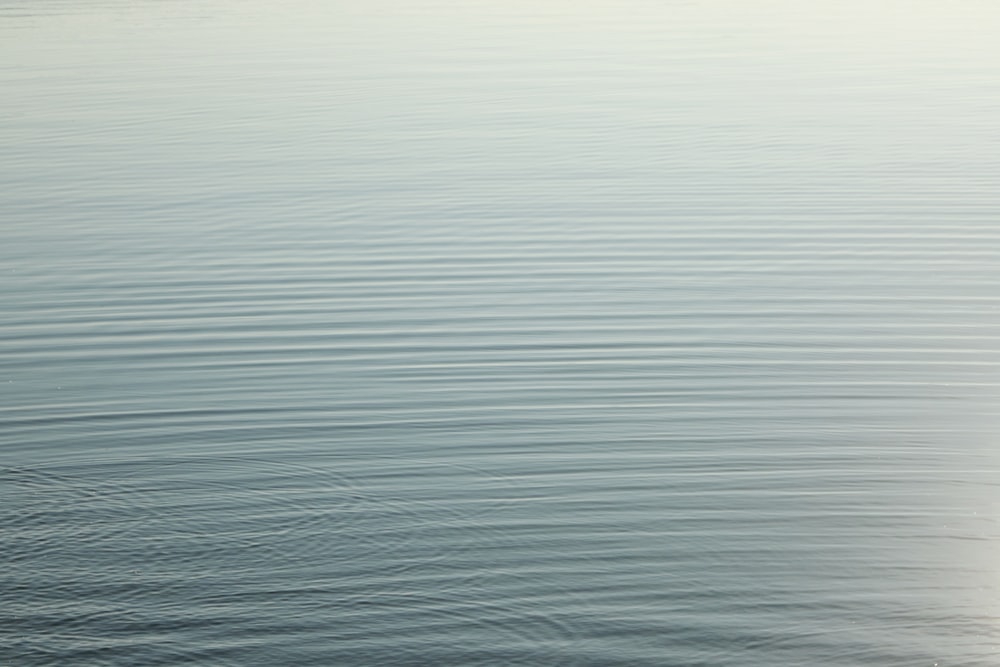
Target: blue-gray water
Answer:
[[427, 333]]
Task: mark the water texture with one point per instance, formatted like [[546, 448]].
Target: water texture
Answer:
[[485, 334]]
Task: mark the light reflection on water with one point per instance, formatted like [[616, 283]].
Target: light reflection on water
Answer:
[[411, 333]]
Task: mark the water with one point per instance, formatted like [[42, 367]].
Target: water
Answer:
[[428, 333]]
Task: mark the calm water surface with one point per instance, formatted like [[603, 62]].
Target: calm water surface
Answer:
[[500, 333]]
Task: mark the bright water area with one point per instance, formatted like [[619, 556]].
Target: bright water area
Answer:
[[481, 333]]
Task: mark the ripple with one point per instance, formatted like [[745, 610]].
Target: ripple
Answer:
[[401, 629], [359, 337], [47, 514], [165, 522], [198, 505], [120, 546], [55, 649]]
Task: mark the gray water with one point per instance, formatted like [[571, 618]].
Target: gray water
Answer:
[[478, 333]]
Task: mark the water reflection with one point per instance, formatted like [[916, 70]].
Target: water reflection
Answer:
[[412, 333]]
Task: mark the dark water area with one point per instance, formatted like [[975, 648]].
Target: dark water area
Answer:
[[595, 334]]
